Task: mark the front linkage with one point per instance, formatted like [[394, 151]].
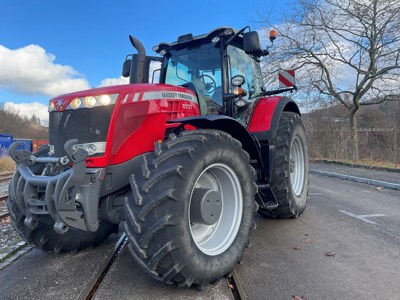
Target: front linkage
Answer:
[[45, 185]]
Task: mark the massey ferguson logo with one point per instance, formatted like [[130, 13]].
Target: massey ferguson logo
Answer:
[[59, 104]]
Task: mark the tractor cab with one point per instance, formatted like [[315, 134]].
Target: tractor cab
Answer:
[[221, 67]]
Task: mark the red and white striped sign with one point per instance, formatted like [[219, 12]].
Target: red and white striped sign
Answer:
[[286, 79]]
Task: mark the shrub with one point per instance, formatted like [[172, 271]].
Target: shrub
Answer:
[[6, 164]]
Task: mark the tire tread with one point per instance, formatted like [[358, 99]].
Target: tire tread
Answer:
[[164, 170]]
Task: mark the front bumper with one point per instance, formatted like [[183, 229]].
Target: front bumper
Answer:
[[70, 197]]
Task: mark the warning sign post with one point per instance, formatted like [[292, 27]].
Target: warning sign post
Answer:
[[286, 79]]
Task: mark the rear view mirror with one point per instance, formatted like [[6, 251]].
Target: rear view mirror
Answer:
[[126, 67], [251, 43]]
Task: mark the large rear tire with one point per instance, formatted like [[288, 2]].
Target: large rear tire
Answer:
[[192, 209], [290, 174]]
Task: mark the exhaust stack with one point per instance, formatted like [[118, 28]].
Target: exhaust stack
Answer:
[[139, 64]]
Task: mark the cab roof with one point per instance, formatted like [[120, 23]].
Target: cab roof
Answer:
[[186, 39]]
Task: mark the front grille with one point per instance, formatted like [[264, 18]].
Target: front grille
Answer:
[[88, 125]]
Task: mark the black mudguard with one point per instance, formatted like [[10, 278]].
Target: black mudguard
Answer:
[[229, 125]]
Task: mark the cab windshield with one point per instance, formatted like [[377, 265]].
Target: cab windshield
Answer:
[[198, 68]]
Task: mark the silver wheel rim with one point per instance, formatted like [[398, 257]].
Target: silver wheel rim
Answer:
[[217, 238], [296, 166]]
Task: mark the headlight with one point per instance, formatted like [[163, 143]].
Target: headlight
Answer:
[[92, 148], [215, 39], [228, 31], [90, 101], [105, 99], [76, 103], [240, 103]]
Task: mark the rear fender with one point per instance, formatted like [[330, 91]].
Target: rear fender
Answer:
[[265, 117], [263, 125]]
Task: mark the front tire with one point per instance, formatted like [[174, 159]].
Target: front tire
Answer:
[[192, 209], [290, 174], [46, 239]]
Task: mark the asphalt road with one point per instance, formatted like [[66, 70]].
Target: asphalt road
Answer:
[[357, 222], [288, 256]]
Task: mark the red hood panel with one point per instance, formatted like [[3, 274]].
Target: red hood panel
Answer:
[[136, 92]]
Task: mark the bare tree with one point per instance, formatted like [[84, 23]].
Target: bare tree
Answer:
[[348, 50]]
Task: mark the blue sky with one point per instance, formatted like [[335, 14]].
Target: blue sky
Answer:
[[48, 47]]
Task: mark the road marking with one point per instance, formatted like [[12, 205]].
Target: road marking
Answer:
[[363, 218]]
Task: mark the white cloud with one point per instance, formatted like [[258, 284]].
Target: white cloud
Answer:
[[114, 81], [28, 109], [31, 70], [154, 65]]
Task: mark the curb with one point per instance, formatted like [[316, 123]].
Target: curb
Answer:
[[338, 162], [388, 185]]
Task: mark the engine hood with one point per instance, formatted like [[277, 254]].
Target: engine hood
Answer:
[[124, 93]]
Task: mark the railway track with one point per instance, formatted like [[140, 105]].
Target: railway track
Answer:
[[94, 285], [3, 209], [4, 215], [6, 177]]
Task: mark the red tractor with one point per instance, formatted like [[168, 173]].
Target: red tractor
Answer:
[[181, 165]]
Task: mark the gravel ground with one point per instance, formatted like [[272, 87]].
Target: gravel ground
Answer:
[[3, 192], [3, 189], [8, 236], [3, 207]]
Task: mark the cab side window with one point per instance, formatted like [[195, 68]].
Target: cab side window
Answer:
[[242, 64]]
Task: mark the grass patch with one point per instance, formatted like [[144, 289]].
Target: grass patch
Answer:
[[6, 164]]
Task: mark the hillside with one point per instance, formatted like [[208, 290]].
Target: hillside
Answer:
[[11, 122]]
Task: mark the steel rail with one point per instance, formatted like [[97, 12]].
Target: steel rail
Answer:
[[94, 285]]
